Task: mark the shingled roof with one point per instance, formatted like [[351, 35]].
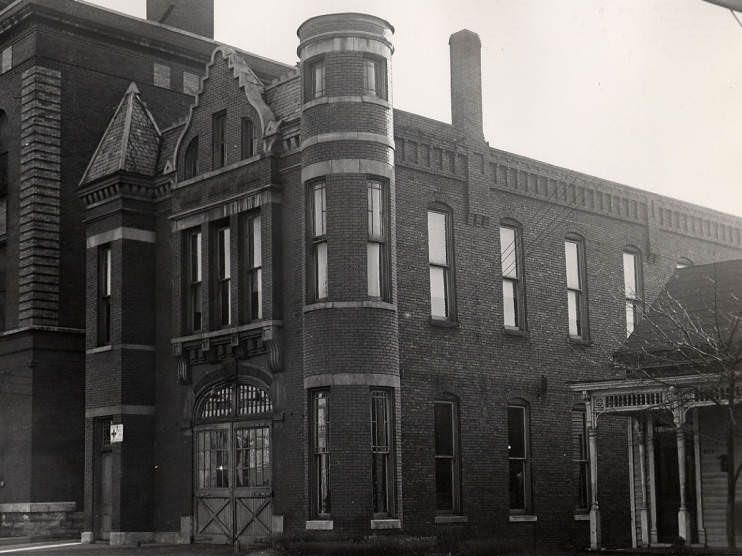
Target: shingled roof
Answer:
[[131, 142], [698, 311]]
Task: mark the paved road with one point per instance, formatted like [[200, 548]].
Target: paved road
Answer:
[[72, 548]]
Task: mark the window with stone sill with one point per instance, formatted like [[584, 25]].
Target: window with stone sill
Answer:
[[319, 401], [382, 466], [375, 76], [447, 458], [632, 278], [574, 255], [377, 256], [223, 274], [519, 458], [253, 265], [104, 295], [193, 273], [513, 290], [440, 263], [314, 79], [317, 240]]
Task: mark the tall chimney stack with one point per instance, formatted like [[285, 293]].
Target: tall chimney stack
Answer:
[[194, 16], [466, 82]]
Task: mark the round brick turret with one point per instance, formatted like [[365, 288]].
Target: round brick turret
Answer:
[[350, 318]]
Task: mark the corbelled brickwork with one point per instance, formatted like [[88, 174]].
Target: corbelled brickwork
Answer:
[[40, 183]]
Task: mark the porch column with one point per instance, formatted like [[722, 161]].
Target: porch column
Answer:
[[683, 513], [652, 480], [595, 540], [643, 512]]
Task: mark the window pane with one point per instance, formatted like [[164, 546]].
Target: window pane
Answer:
[[630, 317], [438, 305], [224, 254], [319, 79], [370, 76], [375, 210], [107, 271], [256, 294], [629, 274], [373, 251], [320, 266], [444, 432], [195, 248], [572, 263], [573, 311], [318, 228], [444, 481], [256, 242], [509, 303], [516, 432], [517, 484], [508, 254], [380, 482], [437, 238]]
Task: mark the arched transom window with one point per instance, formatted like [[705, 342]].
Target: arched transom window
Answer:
[[231, 401]]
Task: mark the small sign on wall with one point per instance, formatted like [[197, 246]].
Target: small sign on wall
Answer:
[[117, 433]]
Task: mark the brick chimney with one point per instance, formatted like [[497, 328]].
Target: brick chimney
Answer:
[[194, 16], [466, 82]]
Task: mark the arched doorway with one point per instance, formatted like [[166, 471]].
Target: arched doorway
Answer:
[[232, 463]]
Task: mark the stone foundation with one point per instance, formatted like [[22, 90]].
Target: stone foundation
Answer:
[[38, 520]]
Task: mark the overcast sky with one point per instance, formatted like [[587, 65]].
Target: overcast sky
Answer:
[[644, 92]]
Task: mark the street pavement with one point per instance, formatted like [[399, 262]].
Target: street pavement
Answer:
[[74, 548]]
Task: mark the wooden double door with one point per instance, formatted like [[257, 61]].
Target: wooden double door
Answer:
[[233, 482]]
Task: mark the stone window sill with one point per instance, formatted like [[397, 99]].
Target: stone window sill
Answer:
[[579, 341], [386, 524], [516, 332], [582, 517], [522, 518], [319, 525], [443, 323], [444, 519]]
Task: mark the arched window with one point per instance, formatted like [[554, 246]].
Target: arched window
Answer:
[[190, 159], [232, 401]]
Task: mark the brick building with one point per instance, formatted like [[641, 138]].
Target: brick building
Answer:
[[304, 310]]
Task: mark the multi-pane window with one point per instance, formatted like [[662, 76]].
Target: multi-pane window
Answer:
[[194, 275], [512, 280], [212, 459], [315, 80], [254, 277], [224, 275], [381, 453], [439, 259], [218, 139], [252, 454], [318, 240], [104, 295], [631, 281], [374, 77], [320, 423], [576, 302], [518, 458], [446, 457], [190, 159], [375, 248], [247, 138], [579, 457]]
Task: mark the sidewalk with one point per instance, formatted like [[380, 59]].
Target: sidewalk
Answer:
[[74, 548]]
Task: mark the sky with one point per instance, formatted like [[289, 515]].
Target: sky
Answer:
[[647, 93]]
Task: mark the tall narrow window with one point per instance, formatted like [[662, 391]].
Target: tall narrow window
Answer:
[[224, 275], [320, 422], [318, 237], [631, 282], [446, 457], [190, 159], [381, 453], [315, 80], [576, 303], [254, 269], [512, 282], [195, 275], [579, 457], [248, 138], [374, 77], [439, 254], [519, 458], [375, 248], [218, 133], [104, 295]]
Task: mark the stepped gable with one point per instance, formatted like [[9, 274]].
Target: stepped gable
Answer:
[[131, 142]]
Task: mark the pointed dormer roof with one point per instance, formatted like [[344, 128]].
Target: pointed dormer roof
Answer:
[[131, 142]]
